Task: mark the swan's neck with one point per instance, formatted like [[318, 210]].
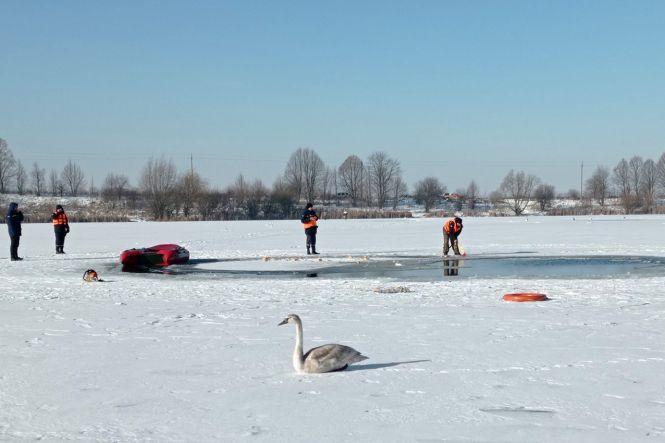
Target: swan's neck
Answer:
[[298, 359]]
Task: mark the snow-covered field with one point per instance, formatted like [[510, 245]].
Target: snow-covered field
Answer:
[[172, 358]]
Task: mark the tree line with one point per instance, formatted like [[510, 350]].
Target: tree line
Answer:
[[635, 184], [372, 183]]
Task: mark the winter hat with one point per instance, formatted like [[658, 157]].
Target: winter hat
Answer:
[[309, 205], [58, 207]]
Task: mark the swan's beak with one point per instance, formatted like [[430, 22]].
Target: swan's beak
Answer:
[[285, 321]]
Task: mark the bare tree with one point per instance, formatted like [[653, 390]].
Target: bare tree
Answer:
[[334, 185], [622, 181], [248, 198], [352, 174], [472, 192], [367, 189], [635, 173], [303, 173], [38, 177], [544, 195], [517, 190], [114, 187], [189, 188], [328, 184], [399, 189], [648, 182], [55, 184], [21, 178], [158, 182], [209, 204], [239, 193], [282, 200], [428, 191], [573, 194], [382, 171], [256, 197], [7, 166], [660, 172], [598, 185], [73, 178]]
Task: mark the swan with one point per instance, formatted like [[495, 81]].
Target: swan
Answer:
[[326, 358]]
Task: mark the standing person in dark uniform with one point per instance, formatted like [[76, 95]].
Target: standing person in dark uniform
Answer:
[[309, 219], [452, 228], [61, 228], [14, 219]]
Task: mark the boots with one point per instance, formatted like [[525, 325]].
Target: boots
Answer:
[[59, 250], [314, 250], [308, 251]]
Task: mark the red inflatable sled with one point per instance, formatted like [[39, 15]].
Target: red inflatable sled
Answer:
[[155, 256]]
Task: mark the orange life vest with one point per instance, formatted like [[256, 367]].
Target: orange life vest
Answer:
[[311, 223], [451, 226], [60, 219]]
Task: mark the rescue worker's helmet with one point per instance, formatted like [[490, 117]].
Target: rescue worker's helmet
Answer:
[[90, 275]]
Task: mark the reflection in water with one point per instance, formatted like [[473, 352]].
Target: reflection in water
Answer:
[[451, 267]]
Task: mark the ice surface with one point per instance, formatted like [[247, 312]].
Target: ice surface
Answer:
[[158, 357]]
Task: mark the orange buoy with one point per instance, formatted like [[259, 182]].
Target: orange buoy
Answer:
[[525, 296]]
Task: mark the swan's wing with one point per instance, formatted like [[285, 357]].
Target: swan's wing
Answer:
[[332, 357]]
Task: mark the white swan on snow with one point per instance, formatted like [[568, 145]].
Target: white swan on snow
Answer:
[[326, 358]]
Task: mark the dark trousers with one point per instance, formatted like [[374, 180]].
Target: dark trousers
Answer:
[[60, 234], [311, 236], [13, 247], [448, 241]]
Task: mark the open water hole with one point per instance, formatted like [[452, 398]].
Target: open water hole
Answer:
[[436, 269]]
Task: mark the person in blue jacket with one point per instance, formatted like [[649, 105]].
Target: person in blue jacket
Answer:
[[14, 219]]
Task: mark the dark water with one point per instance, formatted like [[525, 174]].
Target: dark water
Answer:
[[435, 269], [578, 267], [507, 267]]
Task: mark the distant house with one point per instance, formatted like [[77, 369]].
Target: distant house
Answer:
[[452, 197]]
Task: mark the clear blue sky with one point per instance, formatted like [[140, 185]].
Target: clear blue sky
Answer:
[[457, 90]]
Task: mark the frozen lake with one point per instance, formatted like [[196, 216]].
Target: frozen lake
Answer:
[[197, 356]]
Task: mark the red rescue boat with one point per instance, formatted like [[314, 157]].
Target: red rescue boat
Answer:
[[155, 256]]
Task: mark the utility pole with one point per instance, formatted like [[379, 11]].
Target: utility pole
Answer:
[[191, 164], [581, 180]]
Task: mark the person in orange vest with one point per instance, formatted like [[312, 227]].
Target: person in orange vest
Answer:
[[61, 228], [309, 219], [452, 228]]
